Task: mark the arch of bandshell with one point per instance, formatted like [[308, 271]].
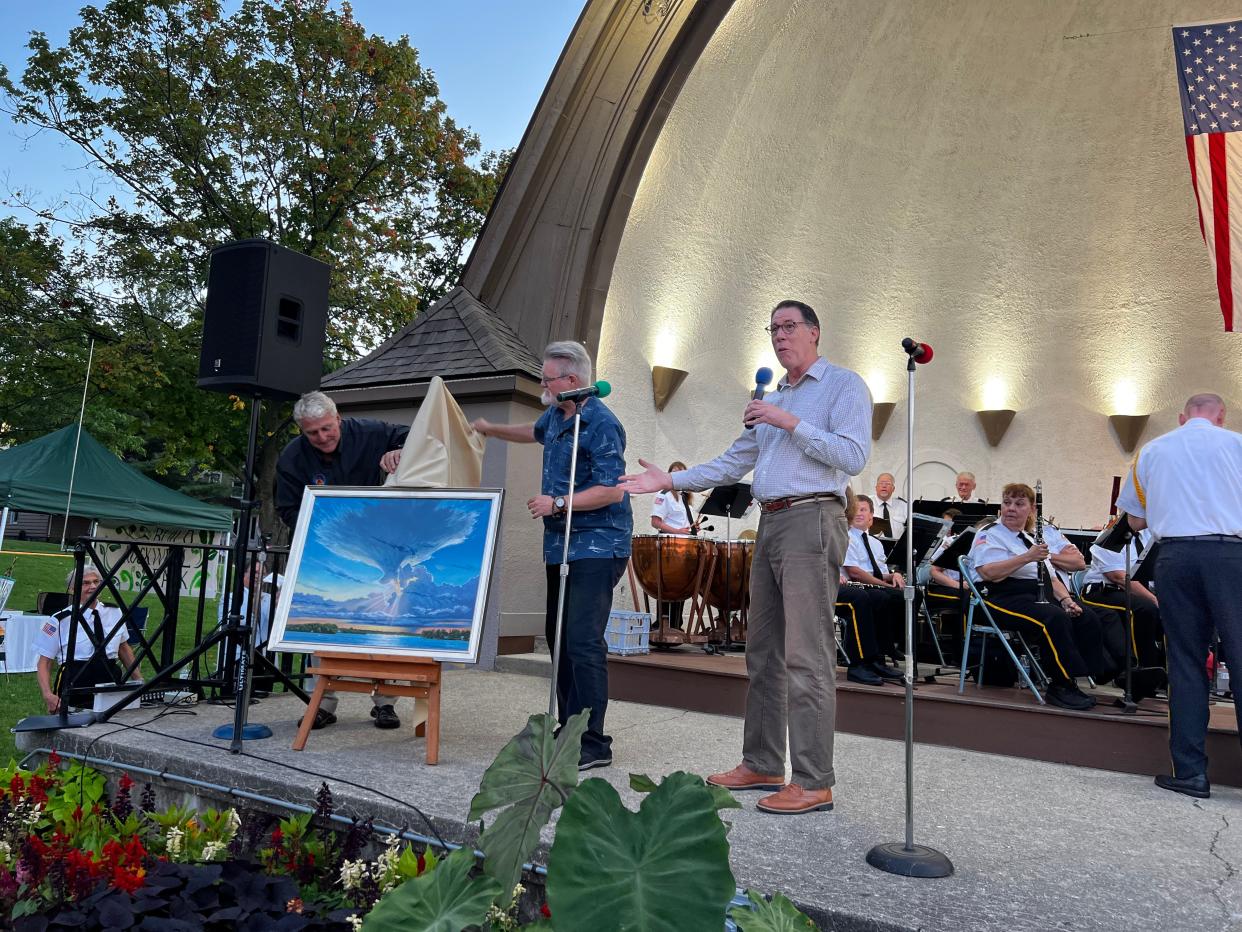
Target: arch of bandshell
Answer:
[[1004, 180]]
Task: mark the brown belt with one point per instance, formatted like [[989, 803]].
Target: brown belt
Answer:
[[780, 504]]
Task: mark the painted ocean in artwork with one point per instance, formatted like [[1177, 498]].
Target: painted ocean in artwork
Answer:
[[390, 574]]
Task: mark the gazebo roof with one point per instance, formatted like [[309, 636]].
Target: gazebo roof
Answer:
[[458, 336]]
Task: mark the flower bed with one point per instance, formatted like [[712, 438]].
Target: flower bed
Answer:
[[70, 856]]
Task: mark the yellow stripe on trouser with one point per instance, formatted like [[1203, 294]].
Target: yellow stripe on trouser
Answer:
[[1040, 625], [1118, 608], [854, 619]]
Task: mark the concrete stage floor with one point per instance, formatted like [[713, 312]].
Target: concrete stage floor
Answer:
[[1036, 846]]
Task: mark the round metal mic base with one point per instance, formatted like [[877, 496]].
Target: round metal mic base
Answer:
[[249, 732], [916, 861]]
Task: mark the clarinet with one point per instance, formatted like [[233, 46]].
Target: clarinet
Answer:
[[1041, 569]]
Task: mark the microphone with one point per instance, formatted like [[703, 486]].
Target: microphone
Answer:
[[763, 378], [600, 389], [919, 352]]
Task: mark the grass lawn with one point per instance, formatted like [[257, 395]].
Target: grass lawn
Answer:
[[41, 567]]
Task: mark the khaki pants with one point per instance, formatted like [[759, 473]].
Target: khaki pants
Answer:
[[790, 643]]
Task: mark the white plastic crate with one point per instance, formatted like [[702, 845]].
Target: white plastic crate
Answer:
[[628, 632]]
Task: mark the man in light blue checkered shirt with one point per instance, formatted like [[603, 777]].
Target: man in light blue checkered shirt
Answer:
[[803, 445]]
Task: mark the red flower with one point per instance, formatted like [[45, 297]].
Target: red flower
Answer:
[[277, 836], [17, 786], [128, 880], [126, 782], [545, 912], [53, 759]]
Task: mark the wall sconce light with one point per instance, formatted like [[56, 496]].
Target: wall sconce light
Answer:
[[664, 382], [881, 411], [1128, 427], [995, 423]]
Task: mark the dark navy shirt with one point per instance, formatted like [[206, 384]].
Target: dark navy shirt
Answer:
[[602, 532]]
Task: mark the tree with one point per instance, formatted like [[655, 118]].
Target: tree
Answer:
[[284, 120]]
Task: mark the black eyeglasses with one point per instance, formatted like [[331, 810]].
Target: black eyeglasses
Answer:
[[786, 328]]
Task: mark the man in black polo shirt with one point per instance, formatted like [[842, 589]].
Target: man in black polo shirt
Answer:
[[336, 451]]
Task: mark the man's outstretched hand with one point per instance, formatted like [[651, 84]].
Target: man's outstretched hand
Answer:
[[652, 479]]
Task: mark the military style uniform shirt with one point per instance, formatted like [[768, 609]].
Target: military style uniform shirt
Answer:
[[671, 510], [997, 543], [831, 442], [1188, 482], [601, 533], [896, 510], [52, 639], [866, 553], [1114, 561]]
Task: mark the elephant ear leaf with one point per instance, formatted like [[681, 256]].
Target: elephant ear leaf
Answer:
[[446, 899], [664, 868], [778, 915], [533, 775]]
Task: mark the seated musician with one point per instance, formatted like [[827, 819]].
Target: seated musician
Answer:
[[1069, 639], [99, 643], [1104, 589], [670, 514], [965, 484], [865, 565], [856, 608]]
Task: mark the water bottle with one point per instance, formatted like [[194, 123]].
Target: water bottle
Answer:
[[1026, 670], [1222, 680]]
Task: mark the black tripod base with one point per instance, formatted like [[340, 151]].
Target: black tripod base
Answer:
[[53, 722], [916, 861]]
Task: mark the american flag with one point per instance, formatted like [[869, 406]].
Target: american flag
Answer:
[[1209, 67]]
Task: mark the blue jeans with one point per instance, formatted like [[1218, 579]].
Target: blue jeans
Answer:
[[582, 680], [1197, 583]]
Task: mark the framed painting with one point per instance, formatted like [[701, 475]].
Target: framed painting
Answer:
[[402, 572]]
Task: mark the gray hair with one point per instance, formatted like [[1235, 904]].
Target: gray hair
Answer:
[[966, 475], [1204, 401], [573, 358], [312, 406], [87, 570]]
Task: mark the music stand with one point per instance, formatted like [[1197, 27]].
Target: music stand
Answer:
[[881, 527], [927, 532], [729, 502], [971, 513], [1117, 538]]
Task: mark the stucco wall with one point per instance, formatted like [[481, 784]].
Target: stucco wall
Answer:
[[1005, 180]]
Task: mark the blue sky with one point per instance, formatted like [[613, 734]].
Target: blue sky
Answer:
[[491, 58], [357, 547]]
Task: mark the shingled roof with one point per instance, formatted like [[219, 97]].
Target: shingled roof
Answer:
[[458, 336]]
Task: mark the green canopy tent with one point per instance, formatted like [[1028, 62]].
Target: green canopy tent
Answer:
[[37, 476]]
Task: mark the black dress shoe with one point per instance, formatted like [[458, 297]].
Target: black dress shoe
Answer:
[[322, 720], [1196, 786], [886, 672], [1069, 696], [862, 673], [385, 716]]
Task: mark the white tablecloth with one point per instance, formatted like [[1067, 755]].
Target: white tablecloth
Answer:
[[19, 635]]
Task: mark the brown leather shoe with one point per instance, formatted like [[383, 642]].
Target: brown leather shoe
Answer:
[[794, 800], [742, 777]]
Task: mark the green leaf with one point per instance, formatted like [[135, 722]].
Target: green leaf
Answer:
[[662, 869], [641, 783], [533, 775], [722, 797], [446, 899], [779, 915]]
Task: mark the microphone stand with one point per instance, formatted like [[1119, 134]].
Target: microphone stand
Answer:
[[564, 580], [909, 859], [1126, 702]]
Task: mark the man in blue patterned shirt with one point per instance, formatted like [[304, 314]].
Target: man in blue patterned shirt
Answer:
[[599, 537], [803, 442]]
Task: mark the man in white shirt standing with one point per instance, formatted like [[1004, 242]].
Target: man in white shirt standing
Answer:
[[1187, 488], [893, 510], [100, 641]]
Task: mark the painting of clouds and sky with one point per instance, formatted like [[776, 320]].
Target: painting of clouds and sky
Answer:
[[389, 572]]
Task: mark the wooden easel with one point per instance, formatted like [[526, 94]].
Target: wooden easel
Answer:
[[371, 673]]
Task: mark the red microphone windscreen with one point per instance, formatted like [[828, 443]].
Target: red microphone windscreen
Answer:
[[924, 354]]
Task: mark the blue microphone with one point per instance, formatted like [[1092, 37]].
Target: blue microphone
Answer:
[[763, 378]]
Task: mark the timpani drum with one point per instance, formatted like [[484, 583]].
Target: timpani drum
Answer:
[[669, 566], [729, 586]]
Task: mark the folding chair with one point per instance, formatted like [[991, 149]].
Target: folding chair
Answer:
[[989, 626], [922, 578], [838, 632]]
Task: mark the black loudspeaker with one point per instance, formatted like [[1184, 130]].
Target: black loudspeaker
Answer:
[[263, 330]]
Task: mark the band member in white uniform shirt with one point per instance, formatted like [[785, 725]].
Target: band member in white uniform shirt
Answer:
[[965, 485], [1069, 638], [1187, 487], [865, 563], [670, 511], [1103, 588], [90, 665], [894, 510]]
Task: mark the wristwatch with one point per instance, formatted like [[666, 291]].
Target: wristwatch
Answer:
[[559, 502]]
